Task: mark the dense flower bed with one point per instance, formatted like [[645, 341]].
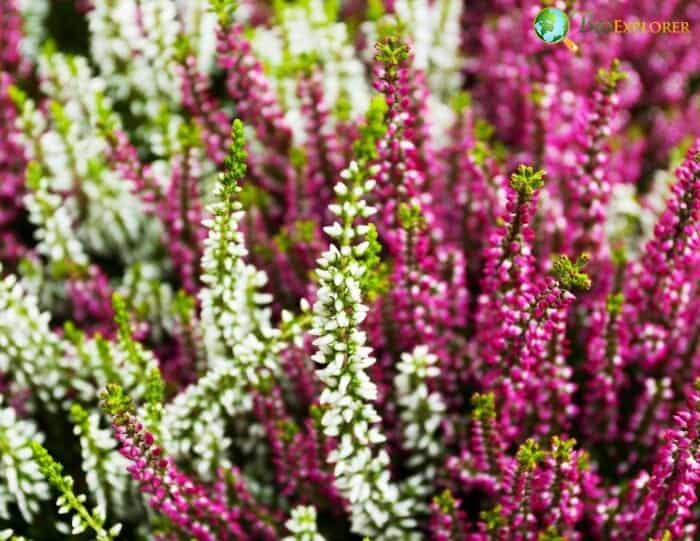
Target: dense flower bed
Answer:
[[306, 270]]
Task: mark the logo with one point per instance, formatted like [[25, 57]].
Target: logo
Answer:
[[621, 26], [552, 26]]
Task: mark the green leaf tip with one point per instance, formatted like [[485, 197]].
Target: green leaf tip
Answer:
[[392, 51], [224, 10], [529, 454], [115, 402], [526, 180], [484, 406], [373, 128], [614, 302], [410, 217], [570, 273], [445, 501], [610, 79], [550, 534], [235, 162], [562, 448]]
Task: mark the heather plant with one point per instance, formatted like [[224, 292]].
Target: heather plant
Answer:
[[383, 270]]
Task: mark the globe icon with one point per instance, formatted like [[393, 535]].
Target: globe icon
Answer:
[[551, 25]]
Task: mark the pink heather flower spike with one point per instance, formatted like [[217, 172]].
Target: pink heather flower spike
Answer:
[[184, 502]]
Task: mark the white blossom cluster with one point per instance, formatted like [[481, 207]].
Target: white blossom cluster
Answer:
[[199, 23], [105, 469], [434, 26], [302, 525], [134, 43], [150, 295], [195, 423], [421, 413], [307, 29], [630, 218], [29, 352], [54, 233], [241, 344], [33, 14], [361, 470], [235, 312], [9, 535], [21, 482], [97, 362], [70, 152]]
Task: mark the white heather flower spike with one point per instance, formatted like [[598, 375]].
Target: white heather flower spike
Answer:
[[33, 14], [54, 233], [135, 44], [95, 210], [105, 469], [306, 29], [361, 470], [421, 413], [302, 525], [241, 344], [29, 351], [434, 26], [21, 482]]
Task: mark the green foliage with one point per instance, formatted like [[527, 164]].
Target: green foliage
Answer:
[[224, 10], [33, 175], [529, 455], [461, 101], [126, 339], [375, 280], [392, 51], [619, 255], [410, 217], [18, 96], [493, 518], [373, 129], [445, 501], [235, 162], [297, 64], [375, 10], [60, 118], [527, 181], [570, 274], [537, 94], [483, 130], [106, 119], [561, 449], [116, 403], [610, 79], [183, 48], [69, 501], [154, 398], [484, 406], [300, 232], [79, 416], [550, 534], [342, 109], [188, 135], [183, 306], [614, 303]]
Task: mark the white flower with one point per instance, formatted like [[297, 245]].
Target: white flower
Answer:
[[302, 525], [421, 414], [361, 471], [21, 483]]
